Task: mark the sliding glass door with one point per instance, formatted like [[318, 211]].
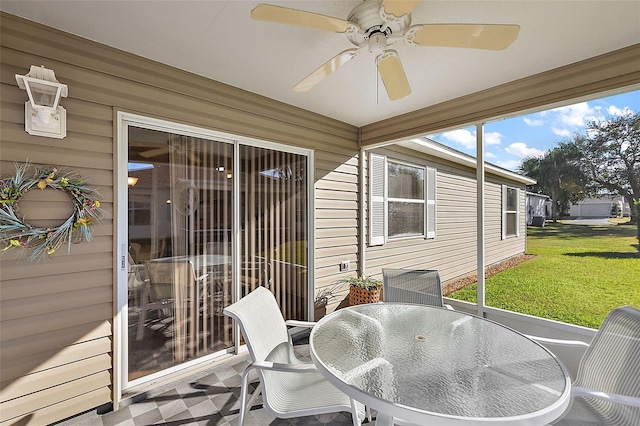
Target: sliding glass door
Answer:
[[273, 215], [208, 220]]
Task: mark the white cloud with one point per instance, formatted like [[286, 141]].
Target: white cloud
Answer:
[[531, 122], [618, 112], [467, 138], [521, 150], [509, 164], [493, 138], [561, 132], [490, 155], [576, 115], [462, 137]]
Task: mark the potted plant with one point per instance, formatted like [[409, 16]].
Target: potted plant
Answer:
[[322, 300], [363, 289]]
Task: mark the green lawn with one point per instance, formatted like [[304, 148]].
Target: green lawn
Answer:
[[580, 273]]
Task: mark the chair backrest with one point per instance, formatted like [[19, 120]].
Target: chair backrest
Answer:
[[412, 286], [261, 322], [612, 361], [168, 278]]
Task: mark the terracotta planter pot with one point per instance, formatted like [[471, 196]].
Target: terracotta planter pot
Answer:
[[360, 296]]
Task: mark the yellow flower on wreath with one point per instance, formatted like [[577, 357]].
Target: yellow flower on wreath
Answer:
[[82, 222], [13, 243]]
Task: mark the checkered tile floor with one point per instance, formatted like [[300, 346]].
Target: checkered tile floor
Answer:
[[209, 399]]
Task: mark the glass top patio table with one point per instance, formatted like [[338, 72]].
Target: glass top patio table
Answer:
[[432, 365]]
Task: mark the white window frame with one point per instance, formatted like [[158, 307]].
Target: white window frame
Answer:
[[379, 200], [505, 212]]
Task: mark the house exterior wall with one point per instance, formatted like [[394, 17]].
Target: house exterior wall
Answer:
[[57, 332], [453, 251], [599, 207]]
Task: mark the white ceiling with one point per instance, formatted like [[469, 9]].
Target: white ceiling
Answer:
[[218, 40]]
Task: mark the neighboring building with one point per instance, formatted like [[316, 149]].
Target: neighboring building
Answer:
[[538, 207], [236, 189], [600, 207]]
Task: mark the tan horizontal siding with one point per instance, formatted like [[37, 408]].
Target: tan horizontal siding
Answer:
[[336, 223], [63, 409], [55, 302], [22, 405], [95, 344], [18, 337], [332, 185], [333, 233], [336, 214], [337, 242], [335, 203], [30, 288], [40, 380], [327, 194]]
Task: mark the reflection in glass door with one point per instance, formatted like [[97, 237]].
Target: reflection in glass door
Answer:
[[274, 226], [180, 199], [182, 258]]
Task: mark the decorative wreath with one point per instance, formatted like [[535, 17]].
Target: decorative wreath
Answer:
[[15, 232]]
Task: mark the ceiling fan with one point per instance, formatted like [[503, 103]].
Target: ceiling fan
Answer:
[[377, 25]]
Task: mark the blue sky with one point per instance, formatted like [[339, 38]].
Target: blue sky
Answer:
[[508, 141]]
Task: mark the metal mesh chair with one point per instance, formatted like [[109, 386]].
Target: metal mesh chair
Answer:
[[412, 286], [607, 387], [289, 386]]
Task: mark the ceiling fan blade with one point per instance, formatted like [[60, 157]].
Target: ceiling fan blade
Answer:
[[328, 68], [285, 15], [154, 152], [399, 7], [474, 36], [392, 74]]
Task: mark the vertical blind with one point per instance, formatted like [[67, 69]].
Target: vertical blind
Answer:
[[187, 245]]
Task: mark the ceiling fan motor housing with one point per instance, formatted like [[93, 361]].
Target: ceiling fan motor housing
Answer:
[[369, 17]]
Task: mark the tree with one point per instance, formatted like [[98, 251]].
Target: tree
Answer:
[[610, 156], [559, 176]]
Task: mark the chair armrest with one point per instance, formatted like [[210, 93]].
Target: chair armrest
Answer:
[[203, 276], [577, 391], [575, 343], [296, 323], [277, 366]]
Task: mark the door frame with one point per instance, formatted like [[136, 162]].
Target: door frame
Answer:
[[121, 146]]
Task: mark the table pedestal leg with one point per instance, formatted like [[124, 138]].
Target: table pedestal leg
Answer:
[[383, 420]]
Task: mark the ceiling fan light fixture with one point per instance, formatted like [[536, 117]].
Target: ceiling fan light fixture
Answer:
[[377, 43]]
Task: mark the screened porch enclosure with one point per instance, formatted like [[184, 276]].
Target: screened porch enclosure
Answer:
[[204, 229]]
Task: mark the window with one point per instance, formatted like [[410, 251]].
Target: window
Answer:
[[510, 212], [401, 200]]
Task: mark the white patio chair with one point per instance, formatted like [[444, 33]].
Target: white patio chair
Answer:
[[607, 386], [168, 282], [412, 286], [290, 387]]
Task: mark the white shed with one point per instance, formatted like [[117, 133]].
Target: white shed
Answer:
[[536, 207]]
